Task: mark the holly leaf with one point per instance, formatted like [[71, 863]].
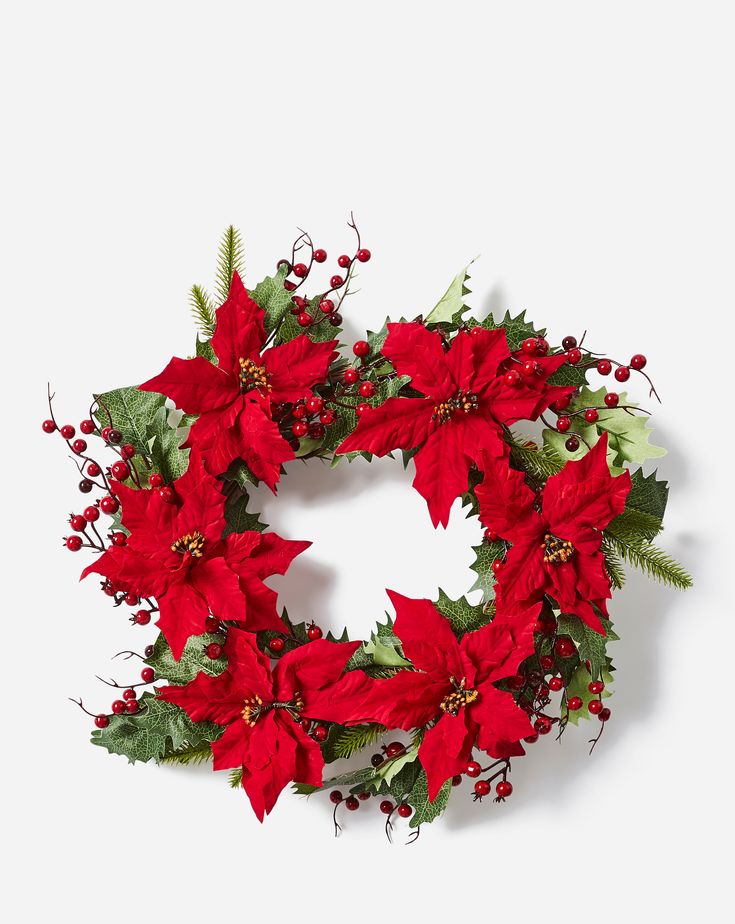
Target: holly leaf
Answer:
[[385, 652], [240, 474], [424, 811], [273, 299], [451, 306], [193, 659], [131, 412], [591, 645], [485, 554], [517, 329], [462, 615], [577, 686], [319, 331], [576, 376], [158, 729], [556, 442], [647, 494], [165, 445], [238, 519], [204, 348]]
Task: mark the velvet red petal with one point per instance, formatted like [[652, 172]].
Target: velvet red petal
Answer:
[[398, 423], [506, 502], [426, 637], [220, 587], [496, 650], [208, 699], [297, 366], [414, 350], [182, 613], [239, 332], [273, 555], [311, 667], [260, 607], [446, 749], [194, 385], [203, 508], [442, 470], [489, 350], [501, 722]]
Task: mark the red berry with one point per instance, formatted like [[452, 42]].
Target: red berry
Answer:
[[109, 504], [563, 424], [148, 651], [129, 693], [327, 417], [367, 389], [288, 285], [361, 408], [78, 523], [79, 446], [155, 479], [314, 404], [132, 706], [530, 367], [105, 433], [591, 415], [93, 470], [132, 599], [363, 255], [115, 436], [118, 539], [497, 566], [473, 769], [352, 803], [574, 703], [604, 366], [542, 725], [314, 632], [336, 281], [335, 796], [561, 403], [316, 431], [335, 319], [127, 450], [73, 543], [572, 444], [604, 714], [504, 789], [361, 348], [376, 760], [394, 748], [85, 486], [595, 706], [320, 255], [456, 779], [147, 674], [531, 739], [556, 684], [167, 495], [101, 721], [48, 426], [622, 373], [91, 514], [320, 733], [612, 399], [491, 536], [530, 346], [142, 617], [542, 346], [304, 319], [299, 429], [386, 806], [299, 304], [213, 650], [67, 431], [326, 305], [482, 788], [638, 361], [574, 356], [516, 681], [211, 624], [300, 411], [120, 470], [351, 376], [118, 707], [569, 343], [546, 662], [300, 270], [512, 378], [564, 647], [344, 261], [276, 645], [596, 687]]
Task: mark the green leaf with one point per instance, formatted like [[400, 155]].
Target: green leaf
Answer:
[[203, 311], [165, 445], [538, 462], [462, 615], [273, 299], [647, 494], [485, 555], [384, 653], [204, 348], [451, 305], [131, 411], [424, 811], [237, 517], [344, 741], [240, 474], [159, 728], [567, 374], [229, 259], [320, 331], [193, 659], [517, 329], [649, 559], [635, 524], [590, 644], [577, 686]]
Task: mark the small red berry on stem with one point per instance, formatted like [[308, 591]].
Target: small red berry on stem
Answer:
[[79, 446], [361, 348], [48, 426], [314, 632], [326, 305], [129, 693], [304, 319], [109, 504], [367, 389], [568, 343], [352, 803], [482, 788], [167, 494], [91, 514], [604, 366], [276, 645], [78, 523], [211, 624], [386, 806], [361, 408], [363, 255], [405, 810], [572, 444], [155, 479], [595, 706], [622, 373], [344, 261], [574, 703], [565, 647], [120, 470], [351, 376], [118, 706], [612, 399], [638, 361], [574, 356], [147, 674], [101, 721], [596, 687], [512, 378], [591, 415], [336, 281], [563, 424], [320, 733], [604, 714], [320, 255], [556, 684], [213, 650], [299, 429], [73, 543], [504, 789], [335, 796], [93, 470], [142, 618], [68, 432], [473, 769], [300, 270]]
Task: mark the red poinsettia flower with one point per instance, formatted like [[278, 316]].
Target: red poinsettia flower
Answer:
[[453, 687], [263, 712], [555, 544], [176, 553], [233, 399], [466, 402]]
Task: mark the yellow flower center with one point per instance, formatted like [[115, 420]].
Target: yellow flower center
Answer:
[[459, 697], [556, 551], [461, 402], [255, 708], [253, 376], [191, 543]]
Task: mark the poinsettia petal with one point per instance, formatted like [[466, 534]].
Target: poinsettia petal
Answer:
[[208, 699], [182, 613], [309, 759], [442, 470], [247, 663], [496, 650], [579, 582], [296, 366], [239, 332], [273, 555], [220, 587], [506, 502], [270, 762], [398, 423], [132, 571], [148, 518], [501, 722], [260, 607], [522, 578], [426, 637], [446, 749], [232, 749], [261, 444], [416, 351], [194, 385], [311, 667], [203, 508], [584, 494], [489, 351]]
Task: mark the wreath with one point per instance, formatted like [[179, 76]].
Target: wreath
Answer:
[[443, 689]]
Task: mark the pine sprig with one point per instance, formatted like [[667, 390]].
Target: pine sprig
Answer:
[[235, 778], [539, 462], [202, 309], [650, 560], [634, 525], [192, 755], [350, 740], [614, 566], [229, 259]]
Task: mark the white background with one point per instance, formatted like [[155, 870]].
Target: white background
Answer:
[[585, 150]]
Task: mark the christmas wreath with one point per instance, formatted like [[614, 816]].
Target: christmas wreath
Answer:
[[443, 689]]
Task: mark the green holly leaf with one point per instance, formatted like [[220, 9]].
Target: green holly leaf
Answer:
[[192, 661], [591, 645], [577, 686], [385, 652], [131, 411], [238, 518], [424, 811], [165, 442], [204, 348], [240, 474], [517, 329], [576, 376], [273, 299], [403, 781], [647, 494], [320, 331], [485, 554], [159, 729], [451, 306], [463, 616]]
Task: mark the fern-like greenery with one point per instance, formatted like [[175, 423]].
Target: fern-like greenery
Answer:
[[539, 463], [635, 524], [236, 778], [649, 559], [355, 738], [196, 755], [229, 259], [614, 566], [202, 309]]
